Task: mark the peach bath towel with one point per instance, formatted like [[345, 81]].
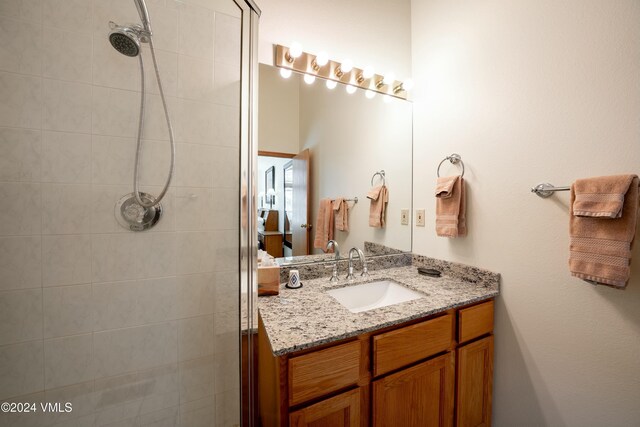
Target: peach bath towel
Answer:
[[324, 225], [379, 197], [450, 207], [602, 228], [341, 213]]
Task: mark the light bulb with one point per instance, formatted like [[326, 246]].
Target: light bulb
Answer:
[[295, 50], [369, 94], [346, 66], [322, 59], [389, 78], [407, 84], [308, 78], [285, 73], [331, 84], [351, 89], [386, 99], [367, 73]]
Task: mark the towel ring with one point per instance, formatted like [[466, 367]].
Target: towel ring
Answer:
[[381, 173], [454, 159]]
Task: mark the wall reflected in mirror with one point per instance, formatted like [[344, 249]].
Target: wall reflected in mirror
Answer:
[[328, 144]]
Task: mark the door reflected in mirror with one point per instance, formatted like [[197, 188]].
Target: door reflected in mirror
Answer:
[[288, 206], [326, 145]]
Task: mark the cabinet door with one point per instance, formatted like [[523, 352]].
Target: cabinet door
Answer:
[[342, 410], [475, 380], [420, 396]]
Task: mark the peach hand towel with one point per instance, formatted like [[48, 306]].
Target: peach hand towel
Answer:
[[450, 207], [602, 196], [602, 237], [341, 213], [324, 225], [379, 197]]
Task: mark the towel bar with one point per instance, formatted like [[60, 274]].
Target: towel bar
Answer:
[[382, 175], [545, 189], [354, 200], [454, 159]]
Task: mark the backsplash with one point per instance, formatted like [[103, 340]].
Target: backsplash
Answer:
[[464, 272], [323, 268]]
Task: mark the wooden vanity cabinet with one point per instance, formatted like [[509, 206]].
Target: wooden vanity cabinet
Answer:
[[419, 396], [428, 372]]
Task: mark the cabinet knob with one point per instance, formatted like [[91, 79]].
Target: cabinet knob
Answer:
[[306, 226]]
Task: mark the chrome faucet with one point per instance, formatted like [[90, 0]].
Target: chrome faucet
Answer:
[[334, 244], [363, 260]]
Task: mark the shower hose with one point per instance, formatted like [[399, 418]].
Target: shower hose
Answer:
[[136, 171]]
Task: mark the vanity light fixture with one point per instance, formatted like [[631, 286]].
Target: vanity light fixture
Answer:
[[345, 67], [320, 61], [294, 52], [389, 78], [403, 86], [320, 66]]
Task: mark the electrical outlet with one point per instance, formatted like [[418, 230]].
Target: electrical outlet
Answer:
[[404, 216], [420, 217]]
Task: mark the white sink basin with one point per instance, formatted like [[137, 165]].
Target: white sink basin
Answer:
[[372, 295]]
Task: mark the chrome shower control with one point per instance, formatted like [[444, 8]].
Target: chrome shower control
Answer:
[[134, 217]]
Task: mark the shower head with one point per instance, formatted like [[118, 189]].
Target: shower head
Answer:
[[125, 39]]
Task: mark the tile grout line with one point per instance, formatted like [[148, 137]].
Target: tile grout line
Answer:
[[42, 211], [91, 248]]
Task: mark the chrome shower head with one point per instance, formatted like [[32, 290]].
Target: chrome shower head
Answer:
[[125, 39]]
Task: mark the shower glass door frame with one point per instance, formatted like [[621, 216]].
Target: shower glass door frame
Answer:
[[248, 292]]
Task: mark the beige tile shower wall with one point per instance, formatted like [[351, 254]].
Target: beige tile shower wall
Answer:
[[131, 328]]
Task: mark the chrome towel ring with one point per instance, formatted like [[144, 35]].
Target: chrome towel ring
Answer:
[[454, 159], [382, 175]]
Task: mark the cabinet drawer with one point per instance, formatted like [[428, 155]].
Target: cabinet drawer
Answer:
[[342, 410], [321, 372], [395, 349], [475, 321]]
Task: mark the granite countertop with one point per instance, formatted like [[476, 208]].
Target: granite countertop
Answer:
[[303, 318]]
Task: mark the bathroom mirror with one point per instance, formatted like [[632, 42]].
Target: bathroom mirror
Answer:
[[326, 143]]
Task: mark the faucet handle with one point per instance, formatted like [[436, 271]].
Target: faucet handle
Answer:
[[365, 269], [350, 275], [334, 274]]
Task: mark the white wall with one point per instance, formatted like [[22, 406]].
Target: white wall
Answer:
[[278, 106], [369, 32], [350, 138], [131, 328], [531, 91]]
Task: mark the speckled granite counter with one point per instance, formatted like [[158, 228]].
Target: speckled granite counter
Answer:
[[308, 317]]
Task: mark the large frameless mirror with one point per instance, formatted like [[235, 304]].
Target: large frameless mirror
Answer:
[[328, 144]]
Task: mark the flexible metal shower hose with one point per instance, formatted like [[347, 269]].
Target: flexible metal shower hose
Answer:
[[136, 190]]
